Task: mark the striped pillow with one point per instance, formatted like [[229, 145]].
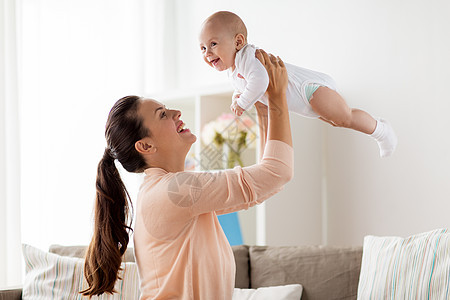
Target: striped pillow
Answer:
[[417, 267], [50, 276]]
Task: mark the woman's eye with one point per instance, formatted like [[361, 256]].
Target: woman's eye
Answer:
[[163, 114]]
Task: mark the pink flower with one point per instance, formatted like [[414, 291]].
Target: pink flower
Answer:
[[226, 117]]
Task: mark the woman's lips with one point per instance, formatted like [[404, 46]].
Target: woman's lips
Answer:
[[181, 126], [185, 130]]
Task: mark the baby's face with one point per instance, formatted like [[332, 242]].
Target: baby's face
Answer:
[[217, 46]]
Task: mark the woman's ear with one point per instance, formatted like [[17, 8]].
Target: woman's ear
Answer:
[[239, 41], [145, 146]]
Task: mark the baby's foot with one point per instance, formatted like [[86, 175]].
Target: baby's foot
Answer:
[[385, 137]]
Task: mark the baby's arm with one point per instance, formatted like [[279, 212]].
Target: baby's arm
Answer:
[[255, 75], [235, 108]]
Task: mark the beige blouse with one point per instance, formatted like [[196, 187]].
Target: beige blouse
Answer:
[[181, 250]]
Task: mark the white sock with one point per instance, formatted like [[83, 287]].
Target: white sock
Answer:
[[385, 137]]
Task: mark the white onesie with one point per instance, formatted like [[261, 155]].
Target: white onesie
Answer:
[[250, 80]]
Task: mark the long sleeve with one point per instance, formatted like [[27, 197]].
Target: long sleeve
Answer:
[[184, 195], [250, 69], [240, 188]]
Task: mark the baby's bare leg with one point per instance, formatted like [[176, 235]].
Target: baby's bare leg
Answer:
[[333, 109]]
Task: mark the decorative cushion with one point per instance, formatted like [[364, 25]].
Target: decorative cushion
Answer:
[[325, 272], [416, 267], [285, 292], [50, 276], [80, 252]]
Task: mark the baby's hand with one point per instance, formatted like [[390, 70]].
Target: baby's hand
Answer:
[[236, 109]]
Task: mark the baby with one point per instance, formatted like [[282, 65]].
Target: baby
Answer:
[[223, 42]]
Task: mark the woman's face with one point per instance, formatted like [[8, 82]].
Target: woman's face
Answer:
[[167, 131]]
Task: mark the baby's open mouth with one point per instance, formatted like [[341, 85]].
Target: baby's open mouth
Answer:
[[215, 61]]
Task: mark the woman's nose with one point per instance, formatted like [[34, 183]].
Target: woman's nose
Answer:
[[176, 114]]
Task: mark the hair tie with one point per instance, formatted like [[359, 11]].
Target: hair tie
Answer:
[[109, 155]]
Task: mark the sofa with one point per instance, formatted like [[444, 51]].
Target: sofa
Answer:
[[414, 267], [325, 272]]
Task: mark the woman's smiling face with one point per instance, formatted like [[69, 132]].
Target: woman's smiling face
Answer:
[[168, 133]]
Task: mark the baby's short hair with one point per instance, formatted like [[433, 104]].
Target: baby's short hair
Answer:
[[232, 21]]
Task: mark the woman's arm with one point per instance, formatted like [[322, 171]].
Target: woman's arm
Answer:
[[276, 92], [263, 117], [239, 188], [274, 126], [279, 124]]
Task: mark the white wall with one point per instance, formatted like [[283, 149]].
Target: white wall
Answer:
[[389, 58]]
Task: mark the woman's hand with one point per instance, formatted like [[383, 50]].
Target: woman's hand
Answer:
[[276, 70]]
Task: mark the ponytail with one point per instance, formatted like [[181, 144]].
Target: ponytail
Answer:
[[110, 239], [112, 202]]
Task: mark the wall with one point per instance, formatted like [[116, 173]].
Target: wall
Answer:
[[403, 80], [389, 58]]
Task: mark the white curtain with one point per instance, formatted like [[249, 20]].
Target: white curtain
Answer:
[[58, 79], [79, 57], [10, 233]]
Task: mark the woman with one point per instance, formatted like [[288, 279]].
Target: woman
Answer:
[[180, 248]]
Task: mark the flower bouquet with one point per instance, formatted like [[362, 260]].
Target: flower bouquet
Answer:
[[230, 135]]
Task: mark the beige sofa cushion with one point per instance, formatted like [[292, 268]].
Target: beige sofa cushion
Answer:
[[325, 272], [242, 266], [240, 255]]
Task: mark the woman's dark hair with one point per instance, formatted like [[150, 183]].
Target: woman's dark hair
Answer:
[[112, 204]]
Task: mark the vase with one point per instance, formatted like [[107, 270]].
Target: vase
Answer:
[[231, 156]]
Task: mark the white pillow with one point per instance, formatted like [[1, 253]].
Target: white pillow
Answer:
[[284, 292], [50, 276], [416, 267]]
